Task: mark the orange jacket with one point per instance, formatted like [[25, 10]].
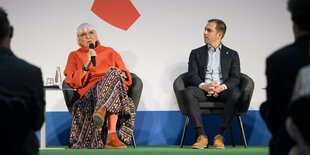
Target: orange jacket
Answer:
[[106, 57]]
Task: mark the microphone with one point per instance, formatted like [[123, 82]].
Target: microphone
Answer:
[[93, 58]]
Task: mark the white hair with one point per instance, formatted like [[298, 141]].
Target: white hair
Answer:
[[83, 28]]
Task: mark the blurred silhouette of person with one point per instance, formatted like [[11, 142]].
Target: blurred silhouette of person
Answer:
[[281, 70], [23, 80], [298, 121]]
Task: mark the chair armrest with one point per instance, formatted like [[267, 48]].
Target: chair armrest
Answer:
[[135, 89], [69, 95], [247, 87], [179, 86]]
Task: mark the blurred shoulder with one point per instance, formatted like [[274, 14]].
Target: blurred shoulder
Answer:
[[282, 53]]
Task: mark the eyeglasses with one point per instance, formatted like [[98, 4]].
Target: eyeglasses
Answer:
[[90, 34]]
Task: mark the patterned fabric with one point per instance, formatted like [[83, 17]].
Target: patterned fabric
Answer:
[[109, 93]]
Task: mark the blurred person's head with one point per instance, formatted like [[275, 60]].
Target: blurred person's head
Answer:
[[86, 34], [6, 31], [300, 14]]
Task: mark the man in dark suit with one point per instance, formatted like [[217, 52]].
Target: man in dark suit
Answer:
[[19, 79], [281, 70], [214, 74]]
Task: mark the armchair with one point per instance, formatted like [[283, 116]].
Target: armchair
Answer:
[[215, 108], [134, 93]]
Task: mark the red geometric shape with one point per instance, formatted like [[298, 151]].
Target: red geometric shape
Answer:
[[119, 13]]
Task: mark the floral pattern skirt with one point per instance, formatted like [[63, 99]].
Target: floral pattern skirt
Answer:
[[109, 93]]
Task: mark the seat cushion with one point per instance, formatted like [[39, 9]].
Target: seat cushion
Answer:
[[213, 105], [211, 108]]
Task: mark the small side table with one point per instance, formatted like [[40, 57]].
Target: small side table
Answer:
[[43, 128]]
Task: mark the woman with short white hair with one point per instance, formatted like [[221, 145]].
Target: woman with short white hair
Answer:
[[102, 90]]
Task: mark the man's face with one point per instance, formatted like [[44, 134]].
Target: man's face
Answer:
[[87, 37], [210, 34]]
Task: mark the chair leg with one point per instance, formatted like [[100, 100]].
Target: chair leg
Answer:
[[242, 131], [133, 141], [232, 136], [184, 130]]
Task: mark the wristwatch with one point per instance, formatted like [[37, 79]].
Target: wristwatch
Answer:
[[84, 68]]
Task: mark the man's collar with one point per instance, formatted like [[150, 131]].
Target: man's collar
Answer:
[[219, 47]]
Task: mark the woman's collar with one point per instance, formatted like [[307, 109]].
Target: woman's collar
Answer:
[[83, 48]]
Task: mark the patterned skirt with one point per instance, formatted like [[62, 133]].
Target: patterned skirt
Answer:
[[109, 93]]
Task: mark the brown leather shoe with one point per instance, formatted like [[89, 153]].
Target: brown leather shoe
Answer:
[[219, 142], [114, 143], [202, 142], [99, 116]]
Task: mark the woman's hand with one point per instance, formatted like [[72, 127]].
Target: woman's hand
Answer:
[[121, 72], [90, 53]]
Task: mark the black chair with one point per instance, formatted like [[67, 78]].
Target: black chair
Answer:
[[134, 93], [215, 108]]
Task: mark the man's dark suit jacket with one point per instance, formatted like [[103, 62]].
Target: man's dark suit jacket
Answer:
[[21, 79], [230, 64], [281, 71]]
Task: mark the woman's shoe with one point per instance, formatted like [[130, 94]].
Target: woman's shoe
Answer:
[[114, 143], [99, 116]]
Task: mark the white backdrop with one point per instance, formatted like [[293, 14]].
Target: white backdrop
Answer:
[[158, 44]]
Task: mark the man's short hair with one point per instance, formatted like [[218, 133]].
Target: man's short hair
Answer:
[[300, 11], [4, 24], [220, 26]]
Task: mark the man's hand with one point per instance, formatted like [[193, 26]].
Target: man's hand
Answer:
[[209, 88], [213, 89], [219, 88], [216, 94]]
